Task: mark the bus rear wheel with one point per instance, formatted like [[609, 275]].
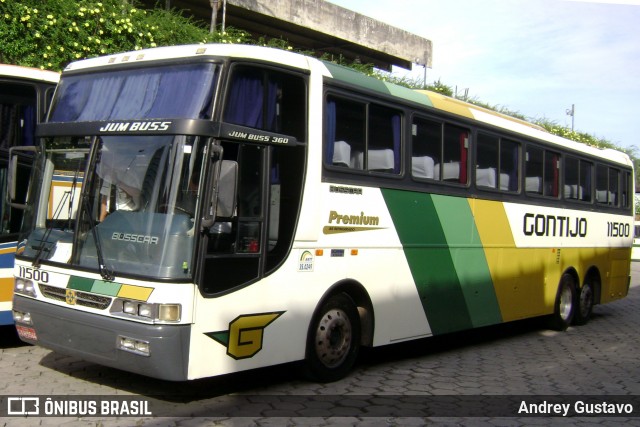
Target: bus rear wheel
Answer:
[[565, 305], [585, 304], [333, 341]]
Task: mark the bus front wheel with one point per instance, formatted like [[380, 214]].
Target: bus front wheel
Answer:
[[565, 305], [333, 341]]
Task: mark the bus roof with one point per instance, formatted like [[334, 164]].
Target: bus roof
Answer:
[[28, 73], [351, 77], [193, 51]]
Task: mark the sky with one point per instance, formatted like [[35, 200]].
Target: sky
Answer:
[[536, 57]]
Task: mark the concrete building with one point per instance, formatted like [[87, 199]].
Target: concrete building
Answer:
[[314, 25]]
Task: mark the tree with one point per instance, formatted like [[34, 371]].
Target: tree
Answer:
[[50, 34]]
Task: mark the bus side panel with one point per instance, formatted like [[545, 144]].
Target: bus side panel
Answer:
[[446, 258], [519, 275], [7, 255]]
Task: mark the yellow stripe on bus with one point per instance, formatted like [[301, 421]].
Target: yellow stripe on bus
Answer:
[[517, 274], [135, 292]]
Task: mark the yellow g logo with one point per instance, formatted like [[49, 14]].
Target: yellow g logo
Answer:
[[70, 296], [245, 335]]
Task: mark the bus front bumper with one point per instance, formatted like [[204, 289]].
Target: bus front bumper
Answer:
[[158, 351]]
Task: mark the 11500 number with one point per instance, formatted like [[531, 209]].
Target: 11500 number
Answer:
[[32, 274], [618, 229]]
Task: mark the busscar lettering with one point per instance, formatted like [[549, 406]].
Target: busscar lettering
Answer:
[[135, 127], [135, 238], [553, 226]]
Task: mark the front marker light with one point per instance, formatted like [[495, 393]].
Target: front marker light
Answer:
[[169, 312]]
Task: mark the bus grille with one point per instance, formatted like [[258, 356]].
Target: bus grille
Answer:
[[82, 298]]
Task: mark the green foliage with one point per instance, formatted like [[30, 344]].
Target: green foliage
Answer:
[[50, 34]]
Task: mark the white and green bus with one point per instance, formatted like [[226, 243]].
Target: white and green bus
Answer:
[[24, 96], [240, 207]]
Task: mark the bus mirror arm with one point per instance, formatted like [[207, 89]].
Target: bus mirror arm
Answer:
[[223, 195], [12, 175]]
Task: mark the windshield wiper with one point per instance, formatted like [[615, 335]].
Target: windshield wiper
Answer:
[[43, 240], [106, 274]]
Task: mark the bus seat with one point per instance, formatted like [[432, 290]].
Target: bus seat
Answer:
[[356, 160], [380, 160], [450, 171], [504, 181], [486, 177], [604, 196], [341, 154], [422, 167], [573, 192], [533, 184]]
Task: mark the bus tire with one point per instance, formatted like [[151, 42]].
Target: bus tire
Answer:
[[585, 300], [333, 341], [565, 305]]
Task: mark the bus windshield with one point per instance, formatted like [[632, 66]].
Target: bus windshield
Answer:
[[135, 217]]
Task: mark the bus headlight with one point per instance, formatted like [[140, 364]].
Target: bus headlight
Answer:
[[24, 287], [145, 310], [148, 311]]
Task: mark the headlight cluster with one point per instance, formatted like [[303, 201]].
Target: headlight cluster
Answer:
[[147, 311], [22, 317], [24, 287], [133, 345]]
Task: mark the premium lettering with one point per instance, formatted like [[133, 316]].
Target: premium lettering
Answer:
[[362, 219]]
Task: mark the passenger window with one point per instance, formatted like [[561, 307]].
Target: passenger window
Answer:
[[551, 174], [266, 99], [497, 162], [577, 179], [607, 185], [439, 151], [362, 136], [533, 170], [625, 190]]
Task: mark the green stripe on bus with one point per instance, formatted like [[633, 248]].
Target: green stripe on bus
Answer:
[[446, 258], [425, 246], [469, 259], [80, 283]]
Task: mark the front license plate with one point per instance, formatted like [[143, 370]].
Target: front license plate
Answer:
[[27, 333]]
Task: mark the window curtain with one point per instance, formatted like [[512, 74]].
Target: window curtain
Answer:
[[167, 92], [28, 132], [395, 125], [464, 137], [246, 104], [513, 176], [330, 130]]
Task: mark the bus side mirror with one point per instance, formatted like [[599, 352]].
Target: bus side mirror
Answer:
[[227, 189], [223, 196], [12, 176]]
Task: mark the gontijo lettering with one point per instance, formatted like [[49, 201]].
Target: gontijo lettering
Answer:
[[553, 226]]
